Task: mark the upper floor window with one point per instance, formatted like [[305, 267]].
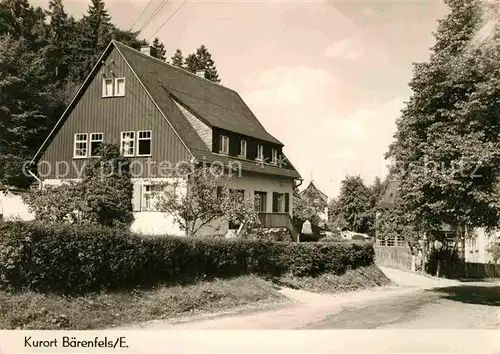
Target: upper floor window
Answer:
[[113, 87], [120, 86], [107, 88], [81, 145], [224, 145], [128, 143], [144, 143], [243, 148], [95, 143], [274, 156], [260, 152]]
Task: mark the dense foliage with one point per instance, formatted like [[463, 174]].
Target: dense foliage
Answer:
[[103, 196], [76, 259], [446, 151], [355, 207], [309, 206], [45, 55]]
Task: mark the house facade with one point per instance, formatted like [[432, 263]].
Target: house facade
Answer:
[[164, 117], [476, 244]]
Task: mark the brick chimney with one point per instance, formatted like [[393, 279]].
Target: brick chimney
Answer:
[[200, 73], [148, 50]]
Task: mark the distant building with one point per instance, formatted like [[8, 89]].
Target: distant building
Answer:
[[311, 192], [476, 243]]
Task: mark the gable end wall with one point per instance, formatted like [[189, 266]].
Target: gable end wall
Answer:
[[95, 114]]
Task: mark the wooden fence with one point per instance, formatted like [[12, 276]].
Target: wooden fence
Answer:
[[468, 270], [400, 257], [393, 256]]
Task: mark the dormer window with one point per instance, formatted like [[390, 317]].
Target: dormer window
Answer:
[[224, 145], [243, 148], [260, 152], [274, 159]]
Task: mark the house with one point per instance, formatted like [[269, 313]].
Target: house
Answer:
[[12, 205], [163, 117], [477, 242], [311, 192]]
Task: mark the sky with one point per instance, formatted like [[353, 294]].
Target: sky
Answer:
[[327, 78]]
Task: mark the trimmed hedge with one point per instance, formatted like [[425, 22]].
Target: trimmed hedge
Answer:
[[76, 259]]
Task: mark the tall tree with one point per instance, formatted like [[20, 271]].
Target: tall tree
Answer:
[[178, 59], [446, 150], [20, 20], [353, 209], [159, 50], [24, 110], [202, 60], [95, 34], [61, 41]]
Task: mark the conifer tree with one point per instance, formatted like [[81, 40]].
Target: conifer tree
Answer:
[[95, 34], [178, 59], [61, 41], [159, 50], [24, 109], [202, 60]]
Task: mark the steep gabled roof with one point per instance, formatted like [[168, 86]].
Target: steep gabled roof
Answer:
[[312, 189], [218, 105], [215, 104]]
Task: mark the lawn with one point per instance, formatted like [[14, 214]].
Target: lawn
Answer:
[[30, 310], [35, 311]]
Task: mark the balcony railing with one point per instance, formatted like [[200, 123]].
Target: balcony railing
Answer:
[[279, 220]]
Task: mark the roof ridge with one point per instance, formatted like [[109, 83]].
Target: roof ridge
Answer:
[[184, 71]]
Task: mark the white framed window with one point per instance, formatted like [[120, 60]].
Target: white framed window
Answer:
[[149, 199], [96, 140], [243, 148], [81, 145], [120, 86], [144, 142], [152, 194], [224, 145], [107, 87], [128, 143], [274, 156], [260, 152]]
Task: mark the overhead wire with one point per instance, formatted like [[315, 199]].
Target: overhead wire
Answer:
[[168, 19], [142, 13], [153, 15]]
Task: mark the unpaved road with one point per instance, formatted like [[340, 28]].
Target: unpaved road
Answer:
[[416, 303], [467, 306]]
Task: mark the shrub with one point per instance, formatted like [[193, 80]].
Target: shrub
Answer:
[[102, 197], [77, 259]]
